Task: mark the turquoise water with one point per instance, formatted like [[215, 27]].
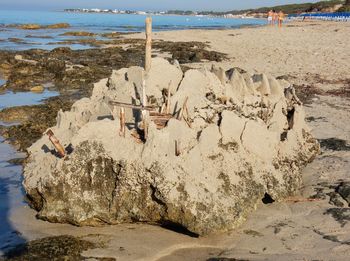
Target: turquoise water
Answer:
[[97, 23]]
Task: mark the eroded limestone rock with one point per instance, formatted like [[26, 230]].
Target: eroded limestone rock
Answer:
[[246, 139]]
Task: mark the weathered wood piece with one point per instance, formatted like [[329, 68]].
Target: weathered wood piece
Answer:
[[177, 148], [56, 143], [122, 122], [160, 119], [148, 53], [182, 113], [131, 106]]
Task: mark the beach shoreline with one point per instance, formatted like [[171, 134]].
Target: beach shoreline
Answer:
[[313, 56]]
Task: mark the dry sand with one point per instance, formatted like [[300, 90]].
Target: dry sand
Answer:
[[314, 54]]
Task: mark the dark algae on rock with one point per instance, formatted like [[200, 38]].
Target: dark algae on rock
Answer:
[[50, 248], [34, 120]]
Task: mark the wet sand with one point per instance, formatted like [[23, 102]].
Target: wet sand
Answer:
[[313, 56]]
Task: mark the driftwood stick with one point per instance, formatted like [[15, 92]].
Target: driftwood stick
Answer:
[[177, 148], [131, 106], [168, 100], [145, 127], [188, 122], [159, 114], [122, 122], [148, 53], [183, 109], [187, 116], [56, 143], [163, 108]]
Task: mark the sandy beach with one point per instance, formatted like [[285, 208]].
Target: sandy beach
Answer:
[[315, 57]]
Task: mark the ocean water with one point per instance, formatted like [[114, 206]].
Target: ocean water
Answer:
[[96, 23]]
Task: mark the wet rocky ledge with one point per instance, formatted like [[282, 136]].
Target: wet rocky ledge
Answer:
[[33, 26]]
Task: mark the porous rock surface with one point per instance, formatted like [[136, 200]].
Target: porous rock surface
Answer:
[[247, 137]]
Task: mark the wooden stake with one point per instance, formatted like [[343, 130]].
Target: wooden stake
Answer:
[[122, 122], [183, 109], [163, 108], [148, 55], [177, 148], [131, 106], [56, 143]]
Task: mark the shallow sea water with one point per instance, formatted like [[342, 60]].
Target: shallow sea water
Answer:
[[96, 23]]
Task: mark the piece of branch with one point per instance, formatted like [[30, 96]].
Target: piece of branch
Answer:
[[131, 106], [148, 51], [56, 143], [183, 109], [122, 122], [177, 148], [163, 108]]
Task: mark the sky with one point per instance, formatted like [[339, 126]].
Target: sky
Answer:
[[147, 5]]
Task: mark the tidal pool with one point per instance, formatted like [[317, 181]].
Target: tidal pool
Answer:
[[12, 99]]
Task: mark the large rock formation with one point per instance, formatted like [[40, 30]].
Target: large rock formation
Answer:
[[243, 136]]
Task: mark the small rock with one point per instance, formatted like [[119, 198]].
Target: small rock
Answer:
[[38, 88], [18, 57], [58, 26], [30, 26]]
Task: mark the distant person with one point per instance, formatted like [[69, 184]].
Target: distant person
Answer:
[[275, 17], [270, 15], [281, 17]]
